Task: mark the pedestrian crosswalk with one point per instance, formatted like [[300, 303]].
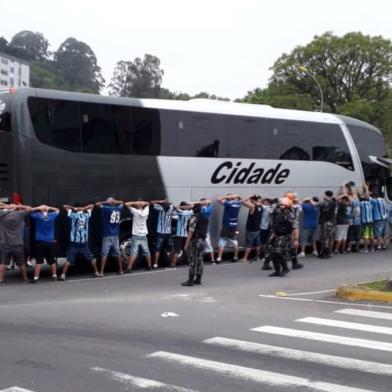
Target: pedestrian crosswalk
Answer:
[[323, 334]]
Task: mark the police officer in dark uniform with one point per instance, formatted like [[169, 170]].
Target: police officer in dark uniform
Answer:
[[328, 208], [283, 223], [195, 245]]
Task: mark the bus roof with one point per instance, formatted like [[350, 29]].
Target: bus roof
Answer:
[[193, 105]]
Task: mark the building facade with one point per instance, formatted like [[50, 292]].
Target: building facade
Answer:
[[14, 72]]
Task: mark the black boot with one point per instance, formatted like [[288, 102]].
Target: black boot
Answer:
[[198, 279], [296, 265], [189, 282], [266, 266]]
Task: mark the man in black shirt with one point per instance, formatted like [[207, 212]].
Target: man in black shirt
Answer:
[[252, 234]]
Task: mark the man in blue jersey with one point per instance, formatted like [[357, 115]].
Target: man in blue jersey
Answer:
[[309, 227], [366, 222], [206, 210], [232, 204], [111, 213], [78, 245], [183, 214], [380, 221], [44, 241], [163, 228]]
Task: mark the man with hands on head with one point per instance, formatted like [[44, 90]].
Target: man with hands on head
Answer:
[[111, 213], [78, 245], [44, 241], [232, 204], [140, 211], [11, 238]]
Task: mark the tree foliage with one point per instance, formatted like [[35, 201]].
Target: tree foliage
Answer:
[[29, 46], [78, 65], [138, 78]]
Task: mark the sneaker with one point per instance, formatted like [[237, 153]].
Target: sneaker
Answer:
[[218, 261], [180, 254], [155, 266], [10, 267], [297, 266], [244, 261], [95, 275], [29, 264], [302, 254], [148, 268], [34, 281], [25, 281], [234, 259], [128, 270], [364, 251], [54, 278], [120, 273], [61, 279], [315, 253]]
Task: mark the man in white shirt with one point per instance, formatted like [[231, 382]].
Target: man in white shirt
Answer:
[[140, 211]]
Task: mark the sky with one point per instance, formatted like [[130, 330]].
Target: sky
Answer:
[[222, 47]]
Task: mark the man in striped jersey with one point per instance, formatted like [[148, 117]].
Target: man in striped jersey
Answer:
[[183, 213], [79, 217], [380, 221], [163, 228], [366, 222]]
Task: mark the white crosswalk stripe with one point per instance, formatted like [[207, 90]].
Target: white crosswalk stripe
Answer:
[[327, 338], [365, 313], [347, 325], [15, 389], [139, 382], [300, 355], [251, 374]]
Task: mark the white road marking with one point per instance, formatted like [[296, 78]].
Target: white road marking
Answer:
[[15, 389], [169, 314], [323, 337], [139, 382], [312, 292], [300, 355], [366, 313], [346, 325], [338, 303], [253, 375]]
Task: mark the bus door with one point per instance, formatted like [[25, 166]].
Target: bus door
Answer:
[[7, 172]]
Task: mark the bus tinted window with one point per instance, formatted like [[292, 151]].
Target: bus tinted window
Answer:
[[96, 128], [56, 123], [199, 135], [5, 121], [97, 135], [329, 145]]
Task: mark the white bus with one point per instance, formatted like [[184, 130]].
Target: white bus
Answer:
[[60, 147]]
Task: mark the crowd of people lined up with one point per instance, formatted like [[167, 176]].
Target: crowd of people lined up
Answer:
[[277, 231]]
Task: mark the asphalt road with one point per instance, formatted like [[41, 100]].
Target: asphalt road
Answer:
[[231, 334]]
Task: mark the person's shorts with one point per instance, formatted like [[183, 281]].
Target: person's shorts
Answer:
[[341, 232], [161, 240], [380, 228], [225, 242], [264, 235], [367, 231], [44, 250], [179, 243], [208, 248], [139, 241], [14, 252], [252, 238], [229, 233], [110, 246], [354, 233], [307, 236], [75, 250]]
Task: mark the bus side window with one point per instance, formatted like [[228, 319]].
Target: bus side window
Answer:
[[5, 122]]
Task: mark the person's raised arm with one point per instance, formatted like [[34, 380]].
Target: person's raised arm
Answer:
[[22, 207], [247, 203], [222, 199], [87, 207]]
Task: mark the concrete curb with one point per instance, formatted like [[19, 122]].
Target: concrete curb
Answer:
[[353, 293]]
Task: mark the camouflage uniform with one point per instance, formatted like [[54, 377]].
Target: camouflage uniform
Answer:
[[195, 250], [327, 226], [283, 222]]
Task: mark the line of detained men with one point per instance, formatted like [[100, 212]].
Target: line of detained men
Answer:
[[272, 229]]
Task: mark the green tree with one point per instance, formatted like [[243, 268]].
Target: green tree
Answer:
[[4, 45], [78, 65], [46, 75], [29, 46], [138, 78], [351, 68]]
